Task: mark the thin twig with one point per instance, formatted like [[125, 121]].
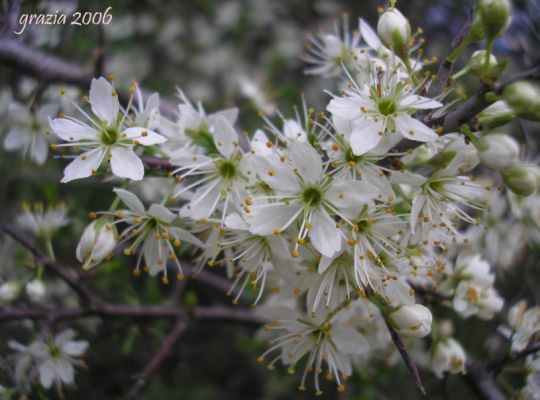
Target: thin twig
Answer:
[[497, 366], [155, 362], [65, 273]]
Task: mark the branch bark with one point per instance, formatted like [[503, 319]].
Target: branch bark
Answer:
[[156, 361]]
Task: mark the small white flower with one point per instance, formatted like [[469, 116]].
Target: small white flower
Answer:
[[54, 359], [394, 30], [108, 136], [412, 320], [449, 356], [155, 230], [383, 108], [42, 222], [97, 242], [525, 322], [36, 290], [318, 342], [304, 193], [9, 291], [28, 130]]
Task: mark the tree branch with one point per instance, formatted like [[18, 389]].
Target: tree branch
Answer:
[[481, 382], [155, 362], [66, 274]]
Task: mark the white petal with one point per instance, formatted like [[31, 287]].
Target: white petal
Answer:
[[39, 150], [419, 102], [130, 200], [69, 130], [104, 100], [83, 165], [47, 373], [351, 193], [16, 139], [75, 348], [369, 35], [258, 144], [235, 221], [413, 129], [276, 174], [205, 200], [64, 336], [268, 219], [144, 136], [185, 236], [417, 206], [161, 213], [366, 136], [349, 341], [324, 235], [294, 131], [345, 108], [126, 164], [230, 115], [225, 137], [407, 178], [308, 162], [65, 370]]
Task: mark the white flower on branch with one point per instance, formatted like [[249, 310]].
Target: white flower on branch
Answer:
[[109, 136]]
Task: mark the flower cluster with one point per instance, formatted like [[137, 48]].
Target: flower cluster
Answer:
[[338, 223]]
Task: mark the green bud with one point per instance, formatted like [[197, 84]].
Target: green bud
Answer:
[[498, 151], [395, 31], [495, 17], [524, 98], [476, 64], [497, 114], [522, 179]]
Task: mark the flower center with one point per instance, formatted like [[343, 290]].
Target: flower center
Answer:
[[54, 351], [109, 136], [227, 170], [387, 106], [311, 197]]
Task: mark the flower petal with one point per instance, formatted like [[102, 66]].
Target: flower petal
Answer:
[[351, 193], [266, 220], [104, 100], [307, 161], [161, 213], [324, 235], [126, 164], [144, 136], [413, 129], [130, 200], [419, 102], [69, 130], [366, 136], [225, 137], [83, 165], [349, 341]]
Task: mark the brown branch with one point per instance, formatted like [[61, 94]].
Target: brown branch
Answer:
[[481, 382], [405, 356], [154, 162], [155, 362], [51, 69], [497, 366], [64, 273]]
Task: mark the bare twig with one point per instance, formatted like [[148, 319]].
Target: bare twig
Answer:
[[405, 356], [481, 382], [65, 273], [155, 362], [10, 18], [497, 366]]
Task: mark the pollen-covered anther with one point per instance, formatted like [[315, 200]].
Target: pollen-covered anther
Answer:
[[277, 232], [53, 146], [302, 388], [271, 173], [269, 144], [340, 388], [295, 253], [144, 133], [165, 280], [92, 215], [136, 272], [176, 242], [127, 252], [351, 242], [319, 393]]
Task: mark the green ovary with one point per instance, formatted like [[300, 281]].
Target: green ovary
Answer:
[[109, 136], [387, 106], [311, 197], [227, 170]]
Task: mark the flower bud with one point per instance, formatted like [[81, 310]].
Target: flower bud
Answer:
[[36, 290], [498, 151], [497, 114], [9, 291], [522, 179], [449, 356], [522, 96], [495, 17], [394, 30], [97, 242], [476, 64], [412, 320]]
